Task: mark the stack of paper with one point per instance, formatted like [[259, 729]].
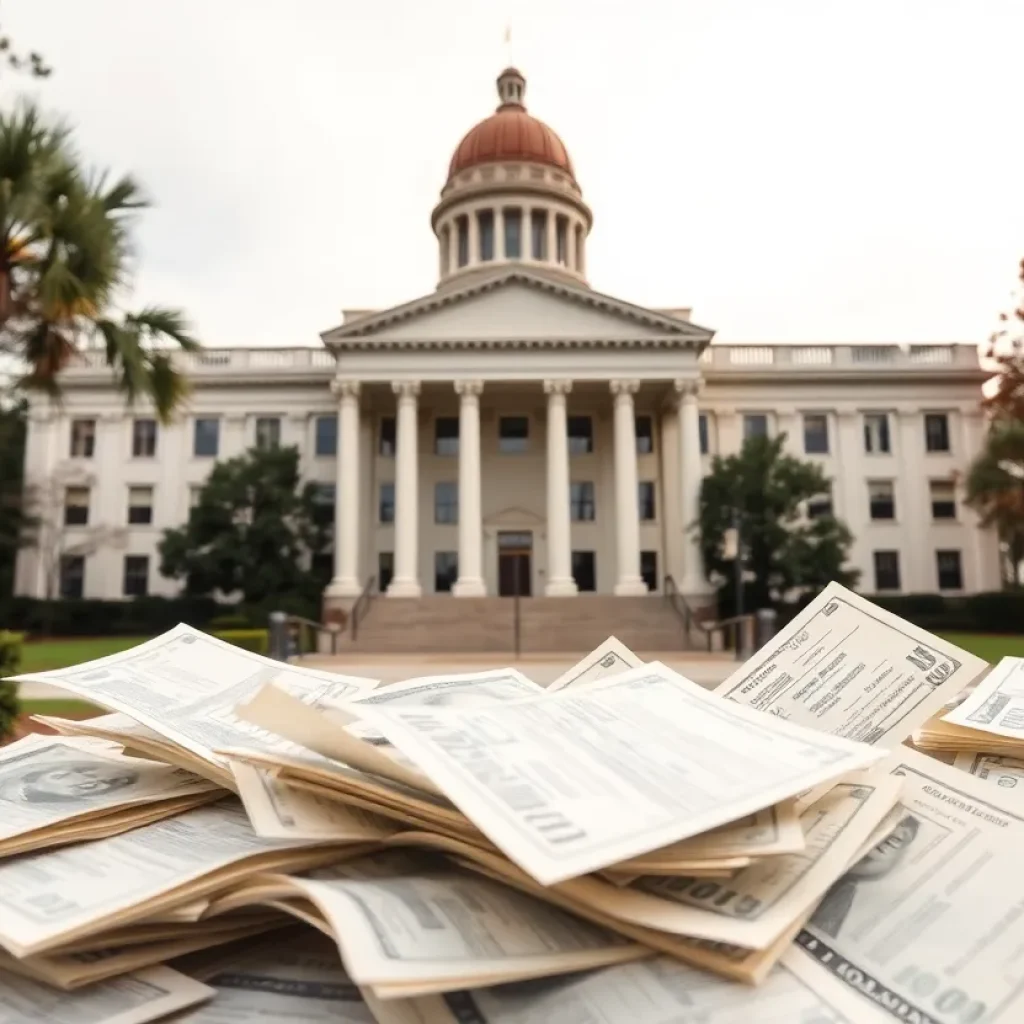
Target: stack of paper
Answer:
[[622, 845]]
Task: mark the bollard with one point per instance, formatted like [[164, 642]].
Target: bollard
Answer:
[[277, 636], [767, 625]]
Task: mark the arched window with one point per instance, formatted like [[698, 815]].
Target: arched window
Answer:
[[579, 247], [562, 241], [446, 248], [514, 233], [485, 223], [462, 227], [539, 234]]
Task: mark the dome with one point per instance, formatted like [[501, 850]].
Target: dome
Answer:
[[510, 134]]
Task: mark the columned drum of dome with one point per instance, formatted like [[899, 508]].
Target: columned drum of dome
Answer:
[[511, 197]]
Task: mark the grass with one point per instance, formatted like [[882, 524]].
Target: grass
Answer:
[[67, 708], [989, 646], [44, 655]]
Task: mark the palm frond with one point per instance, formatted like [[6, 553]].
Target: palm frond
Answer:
[[156, 323]]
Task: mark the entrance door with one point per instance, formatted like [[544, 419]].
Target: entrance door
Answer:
[[514, 552]]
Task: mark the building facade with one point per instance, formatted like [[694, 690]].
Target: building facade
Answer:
[[516, 431]]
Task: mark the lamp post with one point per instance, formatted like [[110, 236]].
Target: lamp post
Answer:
[[734, 550]]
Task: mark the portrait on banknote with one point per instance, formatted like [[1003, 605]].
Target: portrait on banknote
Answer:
[[39, 777]]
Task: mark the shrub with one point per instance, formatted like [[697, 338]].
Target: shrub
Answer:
[[143, 616], [10, 659], [254, 640], [230, 622]]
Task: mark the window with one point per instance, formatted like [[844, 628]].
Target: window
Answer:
[[268, 432], [136, 575], [646, 495], [83, 439], [446, 435], [887, 570], [539, 234], [206, 440], [325, 441], [72, 577], [386, 505], [140, 506], [562, 241], [644, 435], [446, 571], [513, 434], [936, 432], [943, 495], [386, 441], [76, 506], [649, 569], [462, 229], [755, 425], [581, 435], [881, 499], [820, 505], [876, 433], [951, 575], [446, 502], [385, 569], [702, 431], [485, 226], [321, 565], [143, 438], [815, 434], [584, 571], [514, 234], [324, 496], [581, 501]]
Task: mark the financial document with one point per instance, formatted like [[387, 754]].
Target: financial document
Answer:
[[847, 667], [997, 769], [997, 703], [611, 658], [576, 781]]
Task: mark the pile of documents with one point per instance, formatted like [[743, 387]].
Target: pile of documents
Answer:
[[242, 839]]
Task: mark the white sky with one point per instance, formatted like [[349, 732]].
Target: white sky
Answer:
[[805, 170]]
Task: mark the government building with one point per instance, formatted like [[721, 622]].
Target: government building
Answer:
[[517, 431]]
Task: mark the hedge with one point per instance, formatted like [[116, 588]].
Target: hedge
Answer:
[[255, 640], [10, 659]]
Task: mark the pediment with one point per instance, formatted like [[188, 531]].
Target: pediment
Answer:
[[517, 307], [513, 517]]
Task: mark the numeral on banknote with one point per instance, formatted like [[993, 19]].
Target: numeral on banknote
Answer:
[[951, 1001]]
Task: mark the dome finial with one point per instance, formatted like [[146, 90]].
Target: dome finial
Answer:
[[511, 89]]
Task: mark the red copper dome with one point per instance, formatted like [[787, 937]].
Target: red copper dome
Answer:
[[510, 133]]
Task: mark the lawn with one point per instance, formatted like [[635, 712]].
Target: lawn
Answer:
[[43, 655], [989, 646]]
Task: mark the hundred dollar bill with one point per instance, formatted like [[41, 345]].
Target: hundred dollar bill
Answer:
[[929, 924], [998, 769], [847, 667], [996, 706], [574, 782], [131, 999], [660, 991], [185, 685], [611, 658]]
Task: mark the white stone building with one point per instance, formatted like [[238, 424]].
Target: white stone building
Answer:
[[516, 429]]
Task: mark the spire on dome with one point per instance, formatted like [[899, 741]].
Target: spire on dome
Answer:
[[511, 89]]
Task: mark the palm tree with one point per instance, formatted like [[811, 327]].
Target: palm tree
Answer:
[[65, 259], [995, 489]]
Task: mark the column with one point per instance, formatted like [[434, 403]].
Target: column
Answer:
[[627, 496], [405, 582], [917, 563], [470, 582], [346, 493], [453, 246], [691, 475], [560, 579], [552, 253], [474, 238]]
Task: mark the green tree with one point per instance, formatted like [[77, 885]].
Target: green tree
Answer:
[[782, 550], [254, 532], [66, 260], [13, 520], [995, 489]]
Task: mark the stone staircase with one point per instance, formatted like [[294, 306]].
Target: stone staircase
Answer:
[[440, 623]]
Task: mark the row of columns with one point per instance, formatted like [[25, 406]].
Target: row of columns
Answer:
[[470, 583]]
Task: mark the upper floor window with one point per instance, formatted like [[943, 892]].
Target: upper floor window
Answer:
[[562, 241], [876, 433], [83, 438], [514, 234], [206, 440], [446, 435], [943, 497], [140, 506], [446, 502], [703, 433], [143, 438], [386, 441], [539, 234], [581, 501], [462, 240], [936, 432], [755, 424], [881, 499], [268, 432], [485, 227], [644, 435], [513, 434], [76, 506], [815, 434], [326, 435], [647, 501], [581, 435], [820, 505]]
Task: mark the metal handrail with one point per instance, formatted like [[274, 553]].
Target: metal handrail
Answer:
[[729, 629], [317, 628], [361, 607]]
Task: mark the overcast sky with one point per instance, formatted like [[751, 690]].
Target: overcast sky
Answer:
[[805, 170]]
